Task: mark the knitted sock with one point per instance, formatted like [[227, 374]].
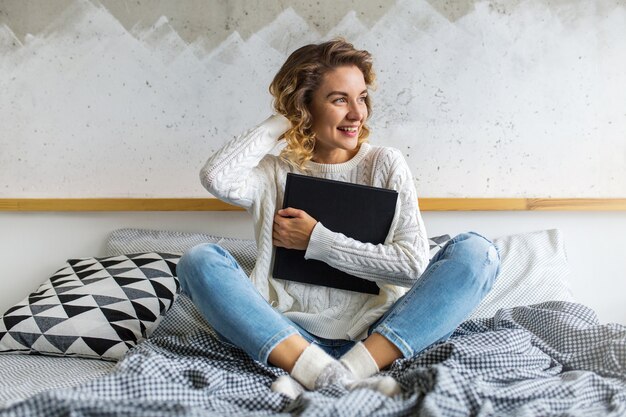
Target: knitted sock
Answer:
[[363, 366], [360, 362], [384, 384], [316, 369], [287, 385]]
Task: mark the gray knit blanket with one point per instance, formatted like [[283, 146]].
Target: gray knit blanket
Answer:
[[550, 359]]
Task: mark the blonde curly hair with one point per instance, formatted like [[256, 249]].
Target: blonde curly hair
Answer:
[[297, 80]]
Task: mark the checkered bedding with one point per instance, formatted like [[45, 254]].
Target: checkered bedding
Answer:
[[548, 359]]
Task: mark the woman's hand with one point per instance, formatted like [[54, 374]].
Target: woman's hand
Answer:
[[292, 228]]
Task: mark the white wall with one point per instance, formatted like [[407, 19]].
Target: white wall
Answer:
[[34, 245], [519, 99]]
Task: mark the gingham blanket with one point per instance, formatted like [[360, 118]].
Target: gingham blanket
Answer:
[[544, 360]]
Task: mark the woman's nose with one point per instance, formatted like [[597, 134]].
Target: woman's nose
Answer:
[[355, 112]]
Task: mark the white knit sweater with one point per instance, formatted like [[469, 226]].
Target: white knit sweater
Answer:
[[246, 173]]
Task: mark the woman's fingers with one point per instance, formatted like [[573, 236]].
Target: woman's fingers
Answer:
[[292, 228]]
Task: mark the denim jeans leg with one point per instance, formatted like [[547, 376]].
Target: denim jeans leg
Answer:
[[231, 304], [451, 287]]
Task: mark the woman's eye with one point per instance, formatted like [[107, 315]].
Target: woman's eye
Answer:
[[345, 100]]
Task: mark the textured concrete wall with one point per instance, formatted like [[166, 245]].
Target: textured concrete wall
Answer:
[[493, 98]]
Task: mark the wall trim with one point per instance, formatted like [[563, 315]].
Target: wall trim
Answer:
[[213, 204]]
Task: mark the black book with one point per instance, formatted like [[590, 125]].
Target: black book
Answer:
[[358, 211]]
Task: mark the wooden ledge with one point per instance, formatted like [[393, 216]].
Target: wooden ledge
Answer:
[[116, 204], [524, 204], [213, 204]]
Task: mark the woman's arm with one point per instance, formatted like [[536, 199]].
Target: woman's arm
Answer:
[[231, 174], [400, 261]]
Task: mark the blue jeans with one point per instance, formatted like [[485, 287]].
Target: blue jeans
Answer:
[[453, 284]]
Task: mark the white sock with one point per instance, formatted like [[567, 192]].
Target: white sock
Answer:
[[316, 369], [287, 385], [360, 362], [386, 385], [362, 365]]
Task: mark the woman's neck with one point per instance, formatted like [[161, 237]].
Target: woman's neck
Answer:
[[336, 156], [345, 166]]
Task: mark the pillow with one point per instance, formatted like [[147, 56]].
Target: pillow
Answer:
[[533, 265], [243, 250], [130, 240], [93, 307], [436, 243], [533, 269]]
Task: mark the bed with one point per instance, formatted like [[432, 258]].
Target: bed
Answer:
[[529, 349]]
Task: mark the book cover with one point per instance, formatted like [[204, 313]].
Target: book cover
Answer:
[[361, 212]]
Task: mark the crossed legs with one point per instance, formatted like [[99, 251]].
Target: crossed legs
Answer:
[[453, 284]]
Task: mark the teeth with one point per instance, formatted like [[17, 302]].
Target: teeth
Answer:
[[349, 129]]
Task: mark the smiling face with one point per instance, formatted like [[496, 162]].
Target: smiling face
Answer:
[[339, 110]]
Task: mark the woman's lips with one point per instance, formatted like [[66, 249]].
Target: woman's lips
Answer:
[[350, 131]]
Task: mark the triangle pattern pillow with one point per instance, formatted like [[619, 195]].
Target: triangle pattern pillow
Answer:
[[436, 243], [93, 307]]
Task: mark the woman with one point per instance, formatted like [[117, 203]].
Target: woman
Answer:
[[321, 335]]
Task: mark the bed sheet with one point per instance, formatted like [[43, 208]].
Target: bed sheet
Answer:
[[22, 376], [548, 359]]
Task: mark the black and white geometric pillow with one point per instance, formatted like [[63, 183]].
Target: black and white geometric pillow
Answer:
[[93, 307], [436, 243]]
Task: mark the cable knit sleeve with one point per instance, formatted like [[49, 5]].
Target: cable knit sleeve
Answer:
[[401, 259], [232, 173]]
